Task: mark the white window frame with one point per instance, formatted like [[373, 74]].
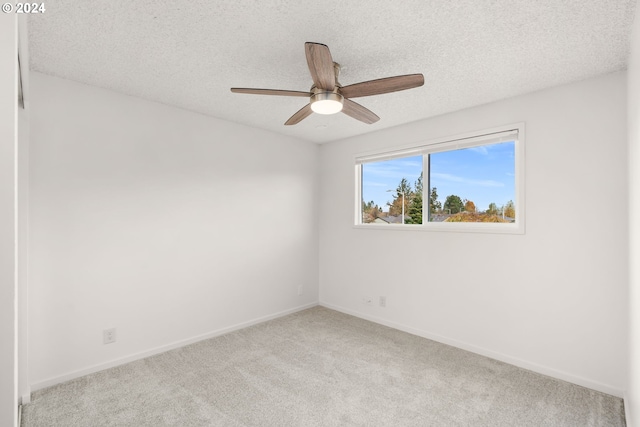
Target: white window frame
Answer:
[[514, 132]]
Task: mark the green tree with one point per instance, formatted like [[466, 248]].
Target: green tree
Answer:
[[493, 209], [418, 184], [434, 205], [453, 204], [415, 204]]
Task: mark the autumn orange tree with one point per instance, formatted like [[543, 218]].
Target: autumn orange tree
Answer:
[[395, 207], [510, 209], [474, 217], [370, 211], [469, 206]]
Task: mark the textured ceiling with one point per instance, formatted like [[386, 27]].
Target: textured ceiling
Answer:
[[188, 54]]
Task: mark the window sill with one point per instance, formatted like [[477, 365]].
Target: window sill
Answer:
[[468, 227]]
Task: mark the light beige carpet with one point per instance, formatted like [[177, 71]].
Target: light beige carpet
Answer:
[[319, 367]]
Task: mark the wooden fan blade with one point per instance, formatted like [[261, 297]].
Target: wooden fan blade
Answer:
[[320, 65], [302, 114], [358, 112], [380, 86], [276, 92]]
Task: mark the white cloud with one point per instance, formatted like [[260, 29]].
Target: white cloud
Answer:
[[480, 150], [398, 170], [476, 182]]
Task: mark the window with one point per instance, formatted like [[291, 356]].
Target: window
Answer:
[[393, 189], [466, 183]]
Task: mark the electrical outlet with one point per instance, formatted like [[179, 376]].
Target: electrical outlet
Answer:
[[300, 290], [367, 300], [383, 301], [109, 336]]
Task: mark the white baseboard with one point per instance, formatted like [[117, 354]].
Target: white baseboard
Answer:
[[141, 355], [26, 397], [544, 370], [604, 388]]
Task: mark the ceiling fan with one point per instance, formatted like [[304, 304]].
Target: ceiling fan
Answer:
[[327, 96]]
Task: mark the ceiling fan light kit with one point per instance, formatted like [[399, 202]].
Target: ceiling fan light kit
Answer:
[[327, 102], [327, 96]]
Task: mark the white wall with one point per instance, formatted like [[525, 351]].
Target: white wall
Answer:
[[632, 399], [24, 388], [8, 232], [553, 300], [165, 224], [23, 255]]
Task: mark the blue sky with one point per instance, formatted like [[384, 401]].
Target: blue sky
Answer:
[[482, 174]]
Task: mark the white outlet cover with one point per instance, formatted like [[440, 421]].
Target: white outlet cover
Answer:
[[109, 336]]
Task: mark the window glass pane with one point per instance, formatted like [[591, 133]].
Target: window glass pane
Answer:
[[473, 184], [386, 184]]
